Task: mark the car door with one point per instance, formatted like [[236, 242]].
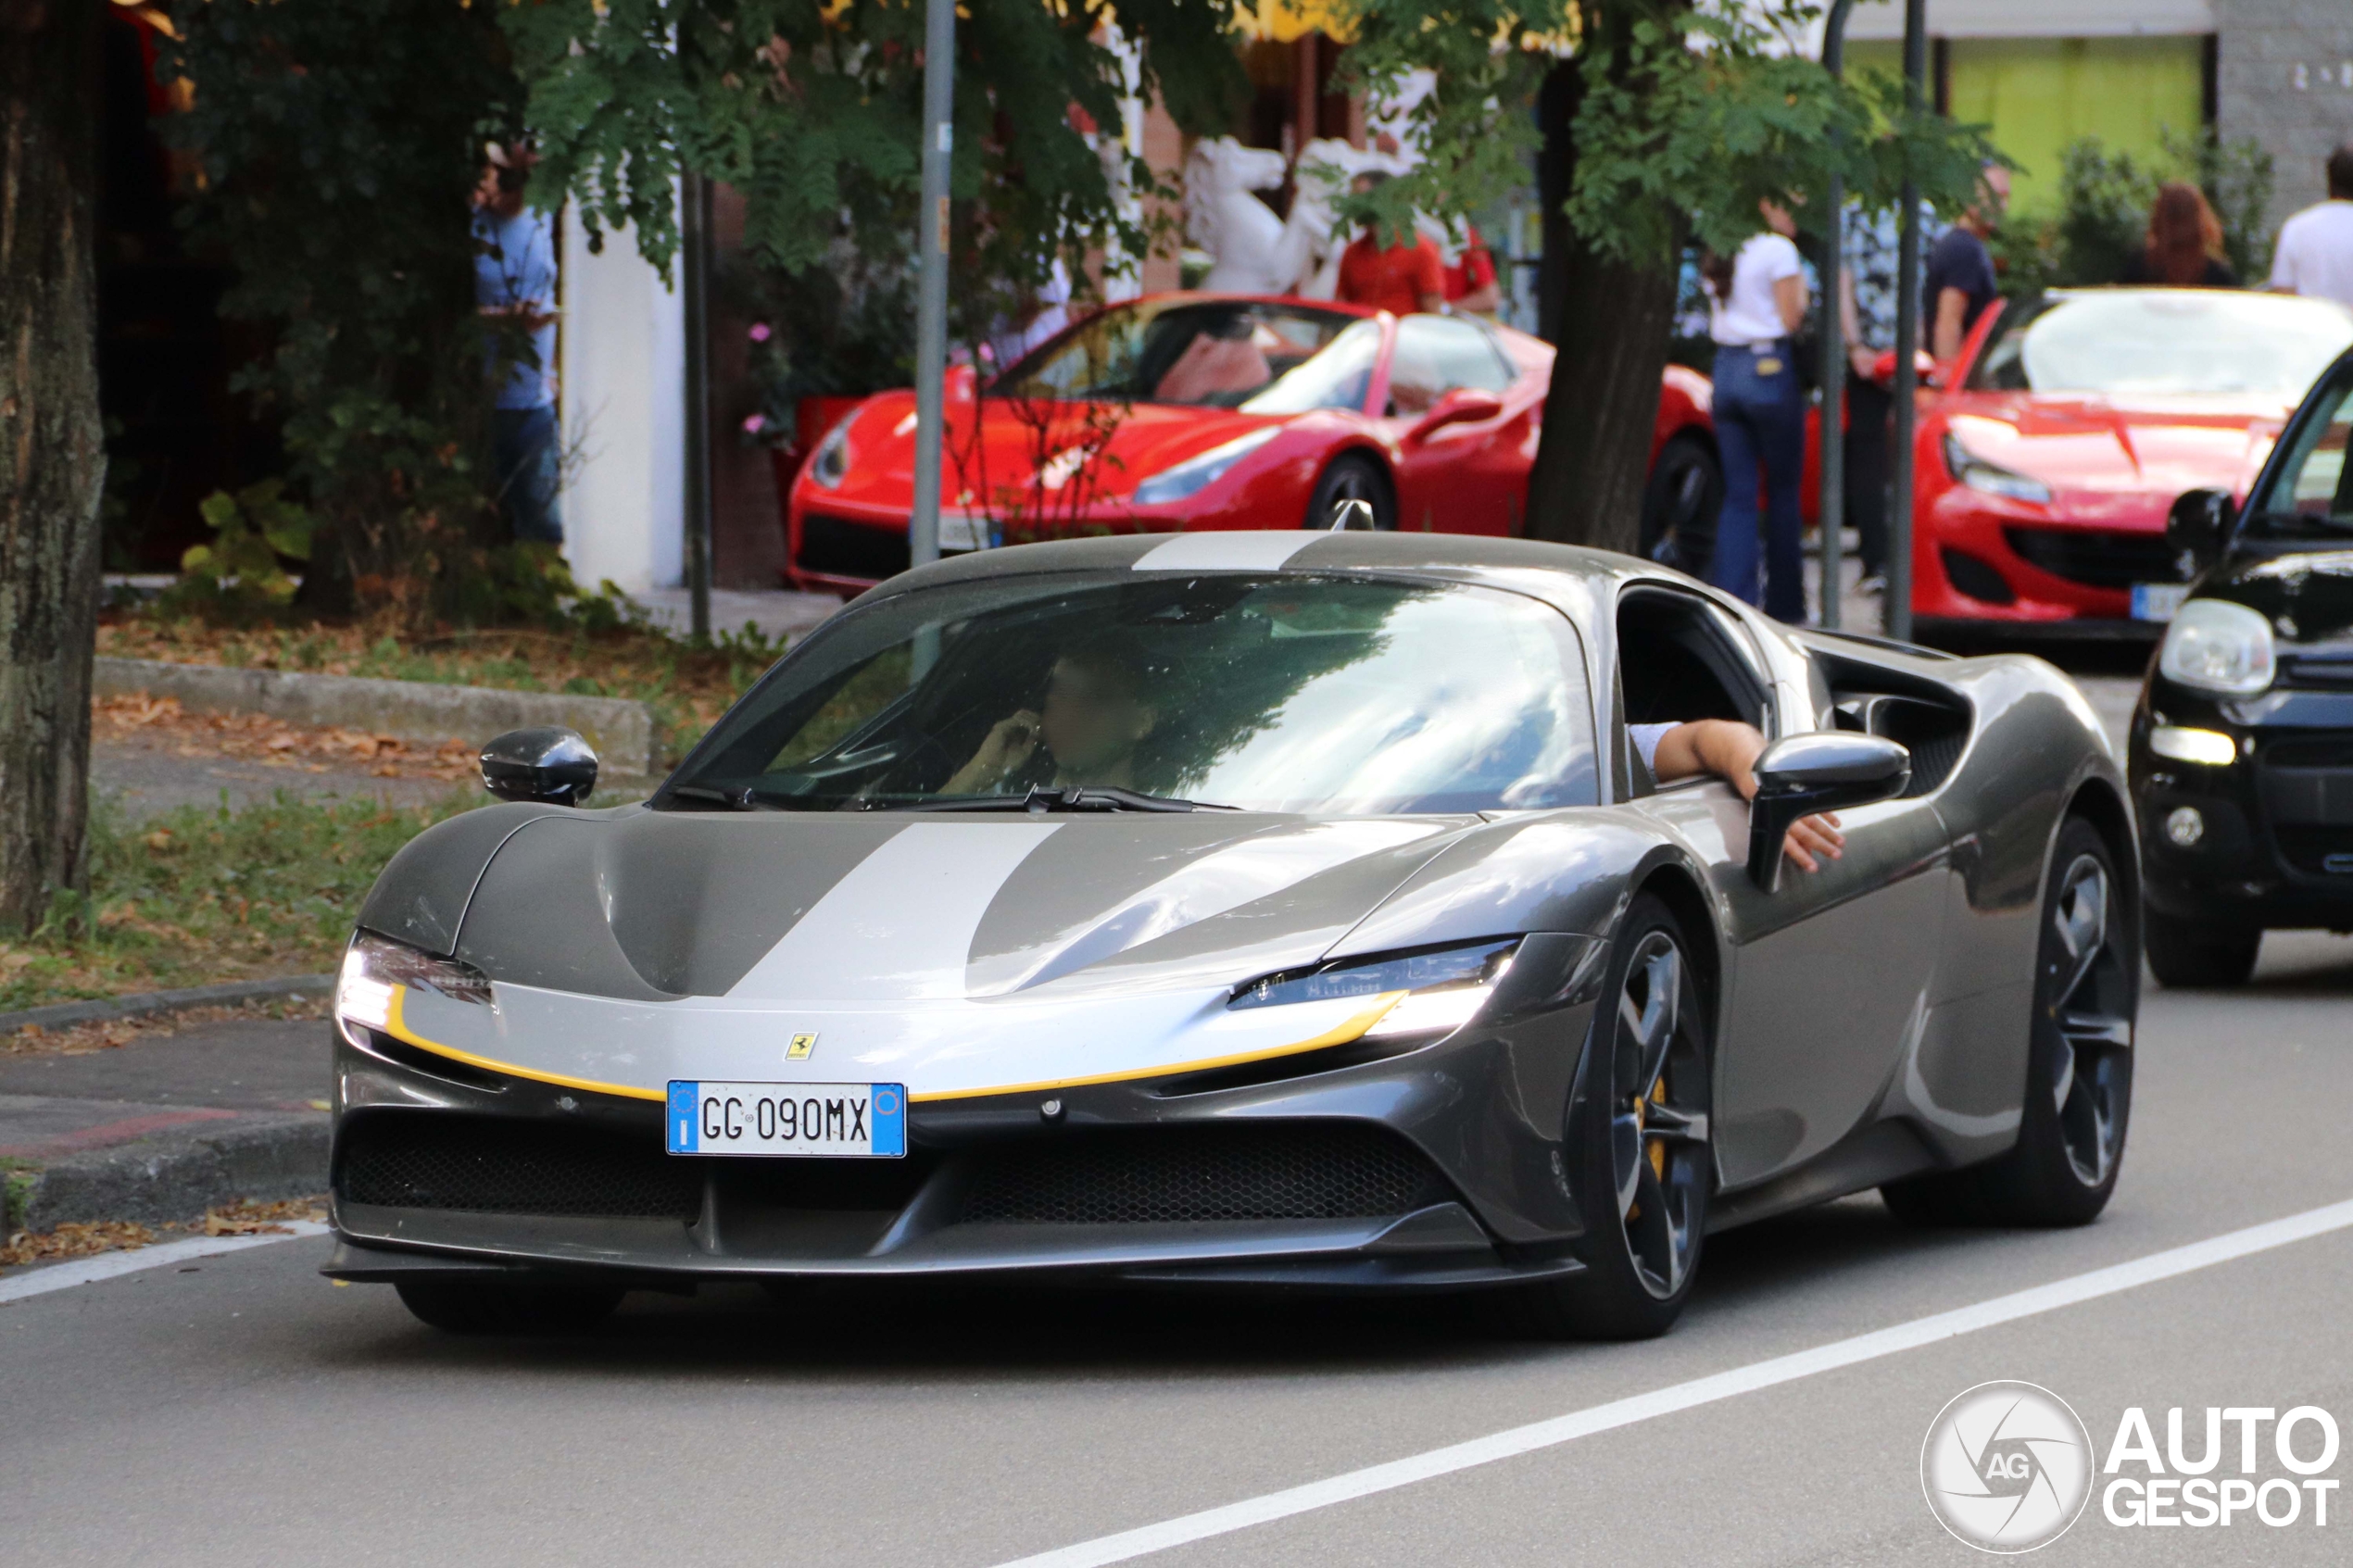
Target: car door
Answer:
[[1463, 475], [1827, 978]]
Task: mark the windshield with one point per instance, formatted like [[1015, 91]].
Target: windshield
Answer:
[[1286, 693], [2311, 495], [2165, 342], [1210, 353]]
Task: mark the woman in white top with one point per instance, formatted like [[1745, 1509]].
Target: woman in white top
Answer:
[[1758, 298]]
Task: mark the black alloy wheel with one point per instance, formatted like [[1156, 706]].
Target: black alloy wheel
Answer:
[[1352, 477], [505, 1306], [2186, 954], [1638, 1134], [1680, 505], [2078, 1082]]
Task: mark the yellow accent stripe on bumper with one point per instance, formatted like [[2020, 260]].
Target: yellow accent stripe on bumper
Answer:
[[1353, 1029], [397, 1026]]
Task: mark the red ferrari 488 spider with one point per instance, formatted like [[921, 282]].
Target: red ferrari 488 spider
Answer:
[[2071, 422], [1219, 411]]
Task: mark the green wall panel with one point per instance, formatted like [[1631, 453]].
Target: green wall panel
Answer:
[[2041, 94]]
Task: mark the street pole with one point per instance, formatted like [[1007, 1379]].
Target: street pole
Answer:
[[694, 262], [1897, 611], [931, 309], [1831, 507]]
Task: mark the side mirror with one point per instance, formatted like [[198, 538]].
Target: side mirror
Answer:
[[549, 765], [1464, 405], [1825, 772], [2196, 526]]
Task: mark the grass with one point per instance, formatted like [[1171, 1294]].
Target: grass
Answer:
[[199, 895], [686, 688]]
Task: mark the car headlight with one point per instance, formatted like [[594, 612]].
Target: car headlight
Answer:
[[829, 465], [1436, 992], [1991, 478], [1197, 474], [2208, 748], [373, 967], [2217, 646]]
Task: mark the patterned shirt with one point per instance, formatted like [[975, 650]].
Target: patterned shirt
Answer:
[[1874, 256]]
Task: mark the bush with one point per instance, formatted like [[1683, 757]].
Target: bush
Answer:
[[2105, 200]]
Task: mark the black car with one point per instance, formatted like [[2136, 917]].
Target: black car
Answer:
[[2242, 747]]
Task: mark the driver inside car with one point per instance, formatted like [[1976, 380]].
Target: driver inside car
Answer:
[[1728, 750], [1086, 731]]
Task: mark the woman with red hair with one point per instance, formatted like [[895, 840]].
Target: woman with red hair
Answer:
[[2184, 246]]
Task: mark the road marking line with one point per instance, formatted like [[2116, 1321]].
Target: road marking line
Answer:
[[109, 1265], [1130, 1543]]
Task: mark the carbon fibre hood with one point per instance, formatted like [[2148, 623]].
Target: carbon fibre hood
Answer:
[[651, 906]]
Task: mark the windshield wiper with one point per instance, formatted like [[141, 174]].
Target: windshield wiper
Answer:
[[742, 798], [1078, 798]]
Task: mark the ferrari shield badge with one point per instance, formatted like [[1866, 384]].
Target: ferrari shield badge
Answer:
[[800, 1047]]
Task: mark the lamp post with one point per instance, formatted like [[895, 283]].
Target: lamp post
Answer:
[[1897, 612], [931, 309], [1832, 506], [694, 259]]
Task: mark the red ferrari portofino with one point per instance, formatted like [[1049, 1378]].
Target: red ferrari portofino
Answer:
[[2071, 422], [1221, 411]]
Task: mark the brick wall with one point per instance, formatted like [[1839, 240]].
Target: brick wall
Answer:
[[2284, 76]]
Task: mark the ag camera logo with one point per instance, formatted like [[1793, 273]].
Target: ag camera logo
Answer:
[[2006, 1467]]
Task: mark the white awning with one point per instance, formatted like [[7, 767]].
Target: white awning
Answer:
[[1883, 20]]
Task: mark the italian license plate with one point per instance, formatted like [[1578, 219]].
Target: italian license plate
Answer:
[[837, 1121], [2158, 601]]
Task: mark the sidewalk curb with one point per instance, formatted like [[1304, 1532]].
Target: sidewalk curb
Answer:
[[147, 1004], [179, 1174], [621, 729]]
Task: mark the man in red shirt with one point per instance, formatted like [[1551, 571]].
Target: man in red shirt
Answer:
[[1471, 283], [1400, 279]]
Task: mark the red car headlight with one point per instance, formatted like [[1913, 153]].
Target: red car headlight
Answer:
[[1991, 478], [1196, 474]]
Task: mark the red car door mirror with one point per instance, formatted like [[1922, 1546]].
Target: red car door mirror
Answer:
[[1464, 405]]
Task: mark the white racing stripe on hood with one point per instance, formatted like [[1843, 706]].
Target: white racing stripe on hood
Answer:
[[1225, 879], [899, 926], [1225, 550]]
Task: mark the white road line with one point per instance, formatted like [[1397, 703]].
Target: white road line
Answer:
[[109, 1265], [1130, 1543]]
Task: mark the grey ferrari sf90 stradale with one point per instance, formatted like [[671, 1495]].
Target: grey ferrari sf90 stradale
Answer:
[[1248, 910]]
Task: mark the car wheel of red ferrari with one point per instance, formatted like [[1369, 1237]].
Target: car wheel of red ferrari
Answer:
[[1352, 477], [1686, 490]]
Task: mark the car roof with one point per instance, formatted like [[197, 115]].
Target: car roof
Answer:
[[1463, 557]]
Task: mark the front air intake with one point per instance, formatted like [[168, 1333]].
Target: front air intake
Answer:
[[423, 1160], [1274, 1171]]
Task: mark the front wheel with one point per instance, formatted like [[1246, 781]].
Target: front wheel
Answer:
[[1680, 504], [2079, 1076], [2187, 954], [1638, 1135], [1352, 477]]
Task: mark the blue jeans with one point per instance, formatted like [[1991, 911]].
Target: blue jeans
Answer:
[[1760, 430], [524, 452]]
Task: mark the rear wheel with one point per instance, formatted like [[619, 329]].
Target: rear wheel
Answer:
[[2185, 954], [2078, 1082], [501, 1306], [1352, 477], [1685, 492], [1638, 1130]]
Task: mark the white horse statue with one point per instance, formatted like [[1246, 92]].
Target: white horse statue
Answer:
[[1256, 253]]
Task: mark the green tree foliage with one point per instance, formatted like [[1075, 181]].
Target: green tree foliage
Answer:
[[1691, 114], [812, 108], [340, 141]]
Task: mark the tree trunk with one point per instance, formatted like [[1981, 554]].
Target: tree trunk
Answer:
[[52, 448], [1609, 324]]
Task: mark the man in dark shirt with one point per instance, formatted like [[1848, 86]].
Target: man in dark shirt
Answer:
[[1961, 270]]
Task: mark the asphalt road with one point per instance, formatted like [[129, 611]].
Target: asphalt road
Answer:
[[241, 1410]]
